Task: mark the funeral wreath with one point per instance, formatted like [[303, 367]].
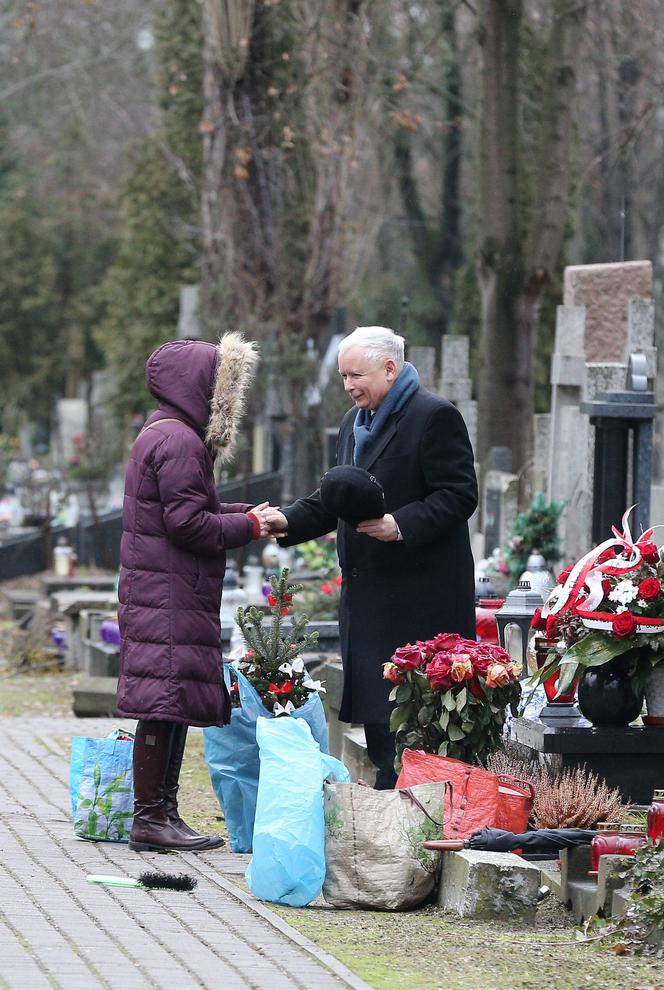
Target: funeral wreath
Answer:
[[609, 604]]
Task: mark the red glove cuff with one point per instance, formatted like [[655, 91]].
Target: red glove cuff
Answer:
[[255, 525]]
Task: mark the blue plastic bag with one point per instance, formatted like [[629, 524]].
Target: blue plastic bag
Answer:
[[102, 786], [233, 760], [288, 864]]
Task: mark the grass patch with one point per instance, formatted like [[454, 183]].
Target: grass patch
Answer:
[[196, 800], [48, 694], [433, 950]]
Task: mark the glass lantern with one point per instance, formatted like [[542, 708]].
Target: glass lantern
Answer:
[[514, 620]]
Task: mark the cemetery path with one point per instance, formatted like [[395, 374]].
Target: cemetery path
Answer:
[[58, 931]]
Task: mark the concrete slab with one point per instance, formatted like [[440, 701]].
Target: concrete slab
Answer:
[[489, 886]]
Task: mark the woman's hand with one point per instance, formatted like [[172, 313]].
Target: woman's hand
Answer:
[[260, 512]]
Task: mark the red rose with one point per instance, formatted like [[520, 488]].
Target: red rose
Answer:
[[392, 673], [439, 672], [649, 552], [481, 664], [326, 589], [338, 580], [537, 622], [444, 641], [550, 626], [650, 588], [476, 690], [624, 624], [605, 555], [408, 657], [562, 577]]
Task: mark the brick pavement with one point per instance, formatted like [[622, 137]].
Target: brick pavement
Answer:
[[58, 931]]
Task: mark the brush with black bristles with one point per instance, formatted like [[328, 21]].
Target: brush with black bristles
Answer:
[[147, 881]]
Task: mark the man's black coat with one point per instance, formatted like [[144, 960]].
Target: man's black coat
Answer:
[[395, 593]]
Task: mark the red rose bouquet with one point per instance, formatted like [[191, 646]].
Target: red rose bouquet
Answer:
[[451, 696], [609, 604]]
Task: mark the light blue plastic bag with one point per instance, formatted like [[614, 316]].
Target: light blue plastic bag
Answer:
[[233, 760], [102, 786], [288, 864]]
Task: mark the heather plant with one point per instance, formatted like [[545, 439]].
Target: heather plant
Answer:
[[574, 798]]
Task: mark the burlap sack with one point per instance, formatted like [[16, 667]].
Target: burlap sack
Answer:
[[373, 845]]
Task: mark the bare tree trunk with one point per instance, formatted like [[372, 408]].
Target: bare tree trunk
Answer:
[[505, 364], [520, 248]]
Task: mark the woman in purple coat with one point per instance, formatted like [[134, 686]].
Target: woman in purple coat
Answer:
[[172, 563]]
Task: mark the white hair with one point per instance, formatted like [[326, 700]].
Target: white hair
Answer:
[[378, 343]]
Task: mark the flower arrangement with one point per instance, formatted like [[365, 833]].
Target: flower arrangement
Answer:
[[451, 695], [320, 601], [609, 604], [272, 662]]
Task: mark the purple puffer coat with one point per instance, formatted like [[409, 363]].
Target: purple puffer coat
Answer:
[[176, 532]]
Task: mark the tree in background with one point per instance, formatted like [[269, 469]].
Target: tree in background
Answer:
[[160, 201], [70, 84], [285, 94]]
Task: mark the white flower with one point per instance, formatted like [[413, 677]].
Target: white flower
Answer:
[[621, 608], [624, 592], [641, 603]]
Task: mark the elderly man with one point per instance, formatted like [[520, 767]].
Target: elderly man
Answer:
[[408, 574]]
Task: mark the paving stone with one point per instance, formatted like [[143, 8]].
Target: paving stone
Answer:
[[56, 930]]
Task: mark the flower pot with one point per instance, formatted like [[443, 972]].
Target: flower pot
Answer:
[[654, 691], [606, 694]]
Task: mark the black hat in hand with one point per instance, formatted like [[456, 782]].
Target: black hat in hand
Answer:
[[352, 494]]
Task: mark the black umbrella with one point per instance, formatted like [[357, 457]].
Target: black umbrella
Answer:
[[542, 840]]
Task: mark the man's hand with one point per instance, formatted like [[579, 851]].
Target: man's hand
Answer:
[[384, 529], [277, 523]]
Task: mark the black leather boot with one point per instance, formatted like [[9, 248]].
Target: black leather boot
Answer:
[[171, 788], [152, 829]]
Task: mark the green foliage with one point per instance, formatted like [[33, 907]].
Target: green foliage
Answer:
[[535, 530], [641, 929], [320, 554], [30, 326]]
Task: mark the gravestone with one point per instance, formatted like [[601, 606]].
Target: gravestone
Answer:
[[188, 323], [500, 496], [605, 292], [456, 386], [72, 420], [608, 315], [424, 359]]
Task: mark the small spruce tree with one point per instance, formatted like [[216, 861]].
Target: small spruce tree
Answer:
[[273, 662]]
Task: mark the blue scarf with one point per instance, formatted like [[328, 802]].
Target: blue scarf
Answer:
[[367, 427]]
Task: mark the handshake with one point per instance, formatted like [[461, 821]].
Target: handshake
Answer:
[[272, 521]]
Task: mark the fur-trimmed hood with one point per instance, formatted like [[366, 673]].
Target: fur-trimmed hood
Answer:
[[234, 372], [204, 385]]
